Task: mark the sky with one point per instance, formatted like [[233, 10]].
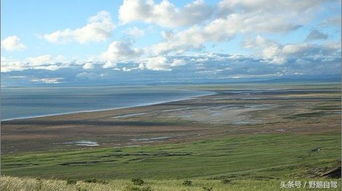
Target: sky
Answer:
[[86, 42]]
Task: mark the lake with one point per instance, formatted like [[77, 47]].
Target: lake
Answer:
[[42, 101]]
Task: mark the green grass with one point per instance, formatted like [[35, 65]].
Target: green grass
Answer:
[[306, 115], [256, 157], [31, 184]]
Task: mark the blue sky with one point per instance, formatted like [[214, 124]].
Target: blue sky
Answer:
[[112, 41]]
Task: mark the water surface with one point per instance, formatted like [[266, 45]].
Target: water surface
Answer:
[[32, 102]]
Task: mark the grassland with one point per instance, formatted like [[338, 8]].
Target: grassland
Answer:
[[292, 134], [260, 162], [257, 156], [32, 184]]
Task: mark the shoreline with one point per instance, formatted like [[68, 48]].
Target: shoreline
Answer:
[[194, 117], [209, 93]]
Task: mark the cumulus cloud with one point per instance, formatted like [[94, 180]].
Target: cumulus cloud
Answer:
[[44, 62], [316, 35], [119, 51], [291, 6], [88, 66], [299, 59], [165, 13], [12, 43], [194, 27], [228, 19], [276, 53], [160, 63], [99, 28], [268, 49], [266, 15], [135, 32], [218, 30], [8, 65]]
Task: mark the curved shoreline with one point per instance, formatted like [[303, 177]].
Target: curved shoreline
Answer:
[[109, 109]]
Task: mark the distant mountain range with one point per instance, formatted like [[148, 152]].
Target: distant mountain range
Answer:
[[176, 81]]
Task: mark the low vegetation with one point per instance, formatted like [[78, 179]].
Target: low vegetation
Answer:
[[271, 156], [258, 162], [31, 184], [137, 181]]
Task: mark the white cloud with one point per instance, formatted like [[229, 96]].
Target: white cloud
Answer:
[[194, 27], [39, 60], [164, 13], [12, 43], [276, 53], [8, 65], [135, 32], [299, 59], [160, 63], [44, 62], [99, 28], [269, 50], [90, 75], [119, 52], [292, 6], [47, 62], [88, 66], [218, 30], [265, 15], [231, 17], [47, 80]]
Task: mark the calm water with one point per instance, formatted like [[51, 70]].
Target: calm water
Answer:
[[29, 102]]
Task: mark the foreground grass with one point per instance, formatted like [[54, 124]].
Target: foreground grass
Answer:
[[31, 184], [262, 157], [236, 163]]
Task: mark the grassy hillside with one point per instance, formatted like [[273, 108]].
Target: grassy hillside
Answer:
[[255, 156]]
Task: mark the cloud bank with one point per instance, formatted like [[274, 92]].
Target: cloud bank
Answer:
[[160, 40]]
